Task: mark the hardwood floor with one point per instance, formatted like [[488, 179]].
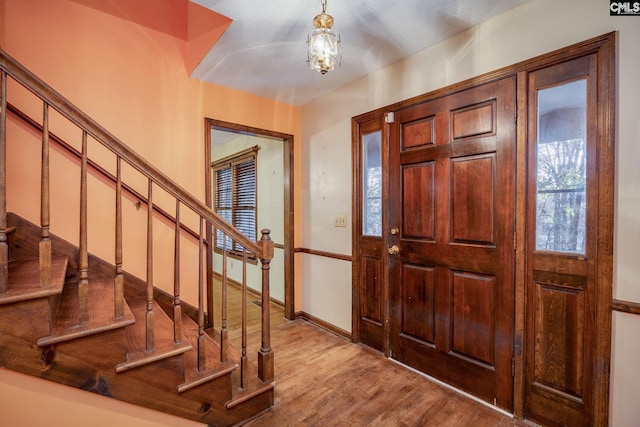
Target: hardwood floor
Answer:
[[325, 380]]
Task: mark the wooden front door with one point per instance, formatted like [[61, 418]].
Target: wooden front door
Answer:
[[451, 222]]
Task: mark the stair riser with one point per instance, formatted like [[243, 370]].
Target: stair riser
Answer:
[[88, 362], [28, 320]]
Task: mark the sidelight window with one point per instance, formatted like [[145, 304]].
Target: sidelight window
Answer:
[[561, 159], [372, 183]]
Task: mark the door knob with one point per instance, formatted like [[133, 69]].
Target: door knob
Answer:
[[393, 250]]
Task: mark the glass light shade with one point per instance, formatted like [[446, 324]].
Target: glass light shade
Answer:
[[324, 50]]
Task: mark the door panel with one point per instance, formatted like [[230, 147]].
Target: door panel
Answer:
[[473, 121], [472, 202], [371, 299], [421, 175], [418, 133], [418, 314], [559, 339], [473, 324], [452, 197]]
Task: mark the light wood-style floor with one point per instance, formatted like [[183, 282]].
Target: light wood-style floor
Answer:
[[325, 380]]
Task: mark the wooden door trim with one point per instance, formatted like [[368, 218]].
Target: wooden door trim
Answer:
[[287, 175], [604, 47], [624, 306], [597, 44]]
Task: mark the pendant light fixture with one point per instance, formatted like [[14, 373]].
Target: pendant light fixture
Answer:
[[324, 44]]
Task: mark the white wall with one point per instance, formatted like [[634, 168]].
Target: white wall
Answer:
[[527, 31], [270, 172]]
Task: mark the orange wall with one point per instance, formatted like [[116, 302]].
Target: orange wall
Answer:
[[30, 401], [133, 81]]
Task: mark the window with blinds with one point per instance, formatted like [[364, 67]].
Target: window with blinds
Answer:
[[235, 195]]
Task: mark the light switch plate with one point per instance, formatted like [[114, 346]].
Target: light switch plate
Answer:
[[341, 220]]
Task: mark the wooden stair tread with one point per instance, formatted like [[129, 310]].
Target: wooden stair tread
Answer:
[[24, 280], [101, 312], [193, 378], [254, 386], [214, 368], [164, 345]]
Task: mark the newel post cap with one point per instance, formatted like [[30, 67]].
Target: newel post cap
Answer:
[[266, 244]]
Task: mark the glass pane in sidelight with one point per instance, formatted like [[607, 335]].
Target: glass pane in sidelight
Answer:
[[372, 184], [561, 160]]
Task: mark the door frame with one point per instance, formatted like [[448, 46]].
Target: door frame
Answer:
[[604, 49], [287, 175]]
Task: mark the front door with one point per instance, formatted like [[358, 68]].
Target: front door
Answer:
[[451, 239]]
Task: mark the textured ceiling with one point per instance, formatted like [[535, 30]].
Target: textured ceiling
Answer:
[[263, 51]]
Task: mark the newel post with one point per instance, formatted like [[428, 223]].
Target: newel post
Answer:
[[265, 355]]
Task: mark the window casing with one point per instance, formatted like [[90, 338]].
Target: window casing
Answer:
[[235, 197]]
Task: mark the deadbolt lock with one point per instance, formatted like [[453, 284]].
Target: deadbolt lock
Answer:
[[395, 230]]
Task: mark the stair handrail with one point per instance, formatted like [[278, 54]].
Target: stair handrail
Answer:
[[263, 250], [115, 145], [24, 117]]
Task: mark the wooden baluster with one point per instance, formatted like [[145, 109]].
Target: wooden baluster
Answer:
[[45, 238], [177, 308], [211, 318], [4, 248], [150, 342], [201, 339], [209, 247], [243, 357], [83, 262], [224, 333], [265, 355], [118, 281]]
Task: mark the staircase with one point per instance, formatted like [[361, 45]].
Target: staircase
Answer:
[[73, 318]]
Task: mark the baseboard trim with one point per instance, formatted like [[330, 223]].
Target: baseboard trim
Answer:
[[250, 291], [324, 325]]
